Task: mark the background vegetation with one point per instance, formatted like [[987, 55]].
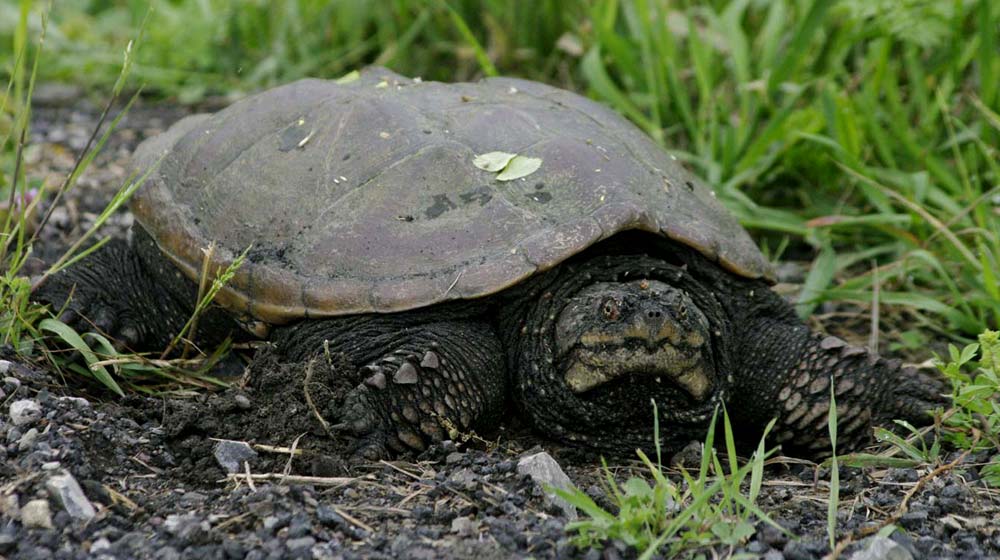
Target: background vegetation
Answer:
[[860, 135]]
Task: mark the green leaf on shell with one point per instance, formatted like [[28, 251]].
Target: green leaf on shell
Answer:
[[519, 166], [349, 77], [493, 161]]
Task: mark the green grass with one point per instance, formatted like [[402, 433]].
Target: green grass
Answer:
[[861, 134], [26, 326], [707, 508]]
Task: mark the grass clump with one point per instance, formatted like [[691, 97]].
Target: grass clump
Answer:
[[29, 328], [707, 508], [974, 421], [866, 129]]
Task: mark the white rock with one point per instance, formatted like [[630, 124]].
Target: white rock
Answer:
[[4, 366], [25, 411], [546, 472], [64, 488], [99, 545], [882, 548], [36, 514]]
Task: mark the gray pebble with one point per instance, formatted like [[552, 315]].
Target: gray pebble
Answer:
[[167, 553], [100, 545], [545, 471], [243, 402], [231, 455], [464, 526], [301, 542], [914, 519], [27, 440], [66, 490], [881, 548], [77, 402]]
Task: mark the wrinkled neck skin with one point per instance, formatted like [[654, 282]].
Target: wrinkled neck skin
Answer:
[[593, 342]]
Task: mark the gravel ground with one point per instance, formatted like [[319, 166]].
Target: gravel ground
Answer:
[[84, 474]]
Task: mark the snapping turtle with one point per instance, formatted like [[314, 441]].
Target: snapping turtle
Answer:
[[607, 278]]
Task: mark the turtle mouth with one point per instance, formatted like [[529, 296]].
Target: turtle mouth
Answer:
[[591, 368]]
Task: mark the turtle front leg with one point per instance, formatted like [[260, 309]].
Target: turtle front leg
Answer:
[[785, 371], [417, 382], [114, 292]]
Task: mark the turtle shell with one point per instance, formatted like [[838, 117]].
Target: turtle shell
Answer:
[[361, 196]]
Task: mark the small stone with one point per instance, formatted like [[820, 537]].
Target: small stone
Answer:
[[100, 545], [300, 542], [65, 489], [688, 456], [27, 440], [803, 550], [4, 366], [36, 514], [914, 519], [9, 506], [242, 402], [51, 466], [772, 536], [25, 411], [167, 553], [881, 548], [231, 454], [329, 517], [185, 527], [8, 537], [453, 458], [77, 402], [464, 526], [545, 471]]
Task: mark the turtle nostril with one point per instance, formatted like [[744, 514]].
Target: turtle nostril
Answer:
[[653, 314]]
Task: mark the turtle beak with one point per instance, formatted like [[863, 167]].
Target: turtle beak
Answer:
[[651, 345]]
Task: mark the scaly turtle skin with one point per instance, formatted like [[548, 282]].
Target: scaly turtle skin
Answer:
[[607, 278]]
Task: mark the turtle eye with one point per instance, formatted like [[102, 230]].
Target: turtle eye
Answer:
[[611, 309]]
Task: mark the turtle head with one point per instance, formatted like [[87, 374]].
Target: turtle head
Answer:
[[642, 330]]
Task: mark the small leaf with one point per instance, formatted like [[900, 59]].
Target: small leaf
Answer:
[[493, 161], [636, 486], [349, 77], [518, 167]]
